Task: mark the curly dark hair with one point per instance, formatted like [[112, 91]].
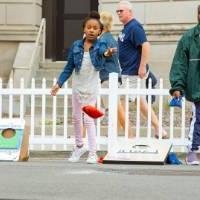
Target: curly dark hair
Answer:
[[93, 15]]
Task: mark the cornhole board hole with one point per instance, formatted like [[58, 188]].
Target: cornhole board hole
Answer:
[[142, 151], [13, 140]]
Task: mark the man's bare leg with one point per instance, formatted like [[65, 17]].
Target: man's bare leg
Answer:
[[84, 131], [121, 119], [154, 119]]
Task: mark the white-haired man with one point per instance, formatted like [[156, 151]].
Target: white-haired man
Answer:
[[133, 56]]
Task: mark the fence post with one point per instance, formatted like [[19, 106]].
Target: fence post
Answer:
[[112, 122], [22, 99], [160, 110], [10, 98], [44, 40]]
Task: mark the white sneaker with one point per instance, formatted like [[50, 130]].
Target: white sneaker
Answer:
[[92, 158], [76, 154]]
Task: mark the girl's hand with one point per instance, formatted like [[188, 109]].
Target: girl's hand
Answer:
[[110, 52], [55, 89]]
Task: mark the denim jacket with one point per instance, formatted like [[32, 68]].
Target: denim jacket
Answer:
[[75, 58], [111, 63]]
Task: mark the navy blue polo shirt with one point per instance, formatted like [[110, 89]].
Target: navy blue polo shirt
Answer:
[[129, 43]]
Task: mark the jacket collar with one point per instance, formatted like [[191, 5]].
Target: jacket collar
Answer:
[[197, 30], [197, 34], [81, 43]]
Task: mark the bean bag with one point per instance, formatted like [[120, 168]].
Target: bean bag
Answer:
[[92, 111], [176, 102]]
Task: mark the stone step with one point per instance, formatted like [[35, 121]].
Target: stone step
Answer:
[[49, 101], [50, 73], [38, 82], [103, 130], [38, 110], [53, 65], [49, 82], [4, 84], [50, 70], [48, 120]]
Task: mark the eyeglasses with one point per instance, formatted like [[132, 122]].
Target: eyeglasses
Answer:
[[119, 11]]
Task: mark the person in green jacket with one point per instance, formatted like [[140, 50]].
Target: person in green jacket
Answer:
[[185, 80]]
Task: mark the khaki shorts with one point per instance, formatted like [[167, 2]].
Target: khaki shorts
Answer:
[[104, 98], [132, 84]]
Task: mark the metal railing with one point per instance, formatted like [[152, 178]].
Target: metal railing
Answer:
[[40, 41]]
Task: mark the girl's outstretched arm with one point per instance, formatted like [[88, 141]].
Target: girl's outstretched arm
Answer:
[[68, 69], [66, 73]]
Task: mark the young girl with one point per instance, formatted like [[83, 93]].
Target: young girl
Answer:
[[85, 60]]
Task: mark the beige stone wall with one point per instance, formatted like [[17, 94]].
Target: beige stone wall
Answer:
[[19, 19], [19, 22], [7, 55], [164, 22]]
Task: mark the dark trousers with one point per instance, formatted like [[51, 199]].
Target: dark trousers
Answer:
[[195, 127]]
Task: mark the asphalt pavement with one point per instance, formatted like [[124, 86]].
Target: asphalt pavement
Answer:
[[56, 178]]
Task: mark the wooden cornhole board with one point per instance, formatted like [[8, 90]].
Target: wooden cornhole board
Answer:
[[14, 140], [142, 151]]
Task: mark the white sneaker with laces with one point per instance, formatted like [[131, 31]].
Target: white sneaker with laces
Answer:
[[92, 158], [76, 154]]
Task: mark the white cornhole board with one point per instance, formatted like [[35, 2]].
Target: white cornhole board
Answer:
[[142, 151], [10, 147]]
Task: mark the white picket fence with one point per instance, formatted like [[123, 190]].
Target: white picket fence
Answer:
[[52, 141]]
